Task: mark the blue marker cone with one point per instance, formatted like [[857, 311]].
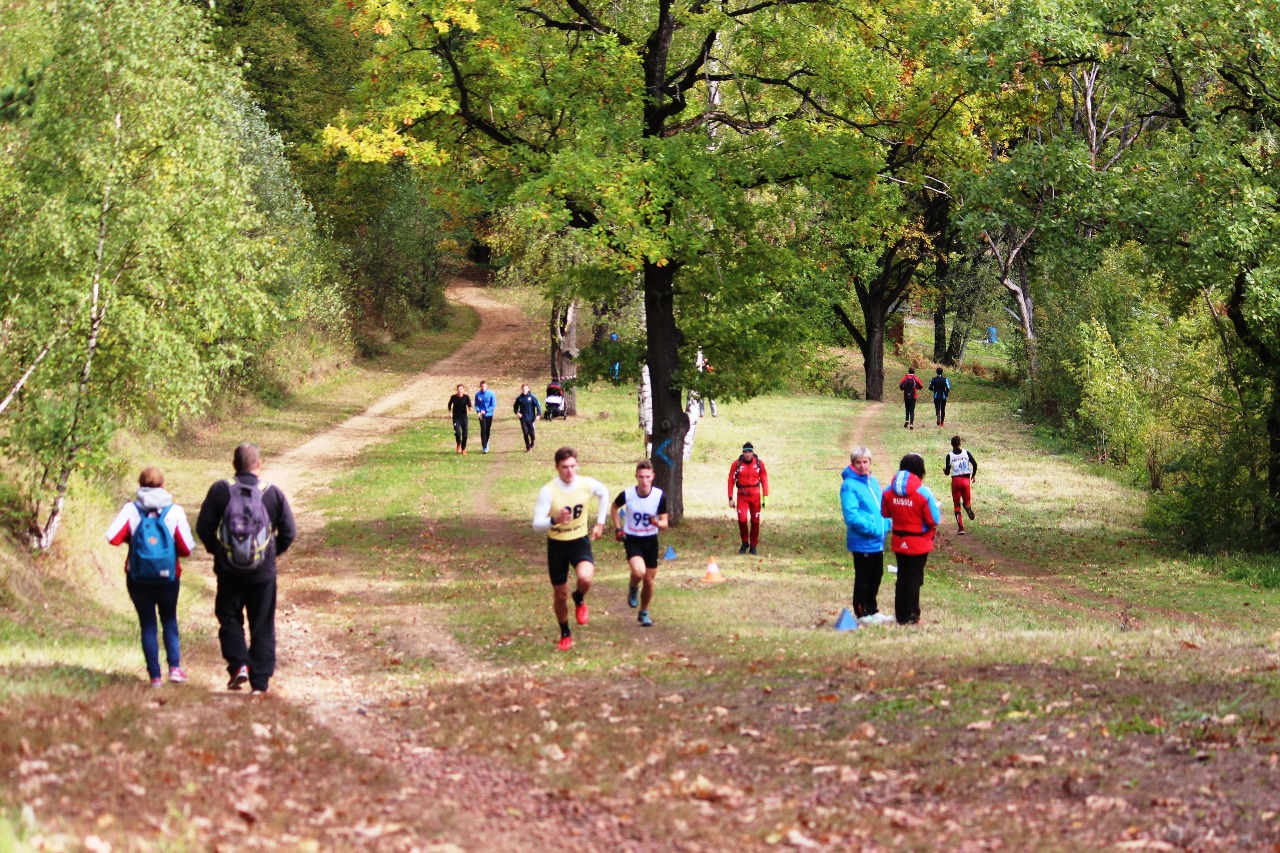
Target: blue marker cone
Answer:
[[846, 622], [671, 553]]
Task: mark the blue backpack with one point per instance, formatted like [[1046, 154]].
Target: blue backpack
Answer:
[[153, 556]]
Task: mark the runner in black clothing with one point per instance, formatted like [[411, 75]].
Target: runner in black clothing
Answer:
[[941, 387], [527, 408], [459, 405]]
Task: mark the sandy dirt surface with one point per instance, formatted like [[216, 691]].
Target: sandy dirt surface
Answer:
[[450, 801]]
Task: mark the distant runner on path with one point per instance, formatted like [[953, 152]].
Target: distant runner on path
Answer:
[[941, 387], [486, 407], [527, 409], [910, 385], [641, 512], [963, 469], [561, 513], [748, 476], [459, 405]]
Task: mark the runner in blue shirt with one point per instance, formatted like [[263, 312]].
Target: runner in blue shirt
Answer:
[[486, 405]]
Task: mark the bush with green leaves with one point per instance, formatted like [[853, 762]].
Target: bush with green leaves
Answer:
[[140, 271]]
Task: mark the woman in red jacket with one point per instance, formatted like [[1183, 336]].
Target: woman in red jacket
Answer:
[[910, 387], [913, 511]]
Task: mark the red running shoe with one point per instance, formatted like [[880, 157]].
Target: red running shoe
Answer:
[[580, 613], [566, 643]]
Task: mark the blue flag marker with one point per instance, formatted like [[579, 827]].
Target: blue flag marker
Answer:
[[671, 553], [846, 622]]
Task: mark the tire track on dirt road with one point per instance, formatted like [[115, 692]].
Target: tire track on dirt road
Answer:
[[449, 800]]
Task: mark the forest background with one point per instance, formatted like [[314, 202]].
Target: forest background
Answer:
[[208, 203]]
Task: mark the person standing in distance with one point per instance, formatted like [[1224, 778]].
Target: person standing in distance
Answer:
[[641, 512], [865, 529], [527, 408], [486, 407], [963, 469], [246, 524], [910, 385], [459, 405], [913, 512], [561, 513], [941, 387], [152, 569], [748, 475]]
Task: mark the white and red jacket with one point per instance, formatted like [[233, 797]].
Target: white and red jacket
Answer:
[[911, 508], [126, 521]]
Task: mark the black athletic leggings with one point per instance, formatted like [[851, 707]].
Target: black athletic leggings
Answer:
[[940, 409], [486, 425], [460, 432], [910, 403], [868, 570], [527, 430], [906, 595]]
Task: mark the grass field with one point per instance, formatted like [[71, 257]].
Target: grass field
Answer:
[[1074, 684]]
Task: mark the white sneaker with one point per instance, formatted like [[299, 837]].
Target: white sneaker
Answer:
[[878, 619]]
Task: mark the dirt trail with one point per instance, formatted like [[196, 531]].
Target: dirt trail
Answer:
[[448, 801]]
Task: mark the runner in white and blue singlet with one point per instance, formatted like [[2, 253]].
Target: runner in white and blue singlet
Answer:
[[640, 511]]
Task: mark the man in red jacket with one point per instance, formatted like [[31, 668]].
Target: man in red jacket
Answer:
[[748, 475]]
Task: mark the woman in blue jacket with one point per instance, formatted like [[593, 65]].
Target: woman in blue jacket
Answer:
[[865, 530]]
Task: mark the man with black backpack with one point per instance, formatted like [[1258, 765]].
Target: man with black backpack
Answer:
[[246, 524]]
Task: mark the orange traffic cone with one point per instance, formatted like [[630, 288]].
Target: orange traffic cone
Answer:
[[713, 572]]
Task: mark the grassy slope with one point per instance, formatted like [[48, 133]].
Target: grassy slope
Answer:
[[1053, 663], [1025, 710]]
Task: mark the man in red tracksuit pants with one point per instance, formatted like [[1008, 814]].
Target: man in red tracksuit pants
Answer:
[[748, 475]]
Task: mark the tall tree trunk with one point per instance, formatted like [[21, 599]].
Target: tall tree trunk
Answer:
[[670, 422], [940, 326], [564, 349], [873, 361], [1270, 359], [871, 345], [1272, 515]]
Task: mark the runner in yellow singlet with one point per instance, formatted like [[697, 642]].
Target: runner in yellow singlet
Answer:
[[561, 513]]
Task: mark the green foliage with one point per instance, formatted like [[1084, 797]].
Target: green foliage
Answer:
[[135, 250]]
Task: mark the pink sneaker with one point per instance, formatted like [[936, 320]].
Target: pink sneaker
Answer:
[[157, 682], [177, 675]]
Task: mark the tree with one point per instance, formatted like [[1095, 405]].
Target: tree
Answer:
[[129, 266], [1199, 191], [647, 132]]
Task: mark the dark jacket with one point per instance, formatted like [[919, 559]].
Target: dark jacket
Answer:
[[527, 407], [282, 525]]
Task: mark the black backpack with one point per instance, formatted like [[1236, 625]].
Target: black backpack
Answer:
[[245, 531]]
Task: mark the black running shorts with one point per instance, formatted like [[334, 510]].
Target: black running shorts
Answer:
[[642, 546], [564, 555]]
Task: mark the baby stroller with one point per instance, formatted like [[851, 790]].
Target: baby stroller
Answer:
[[553, 403]]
